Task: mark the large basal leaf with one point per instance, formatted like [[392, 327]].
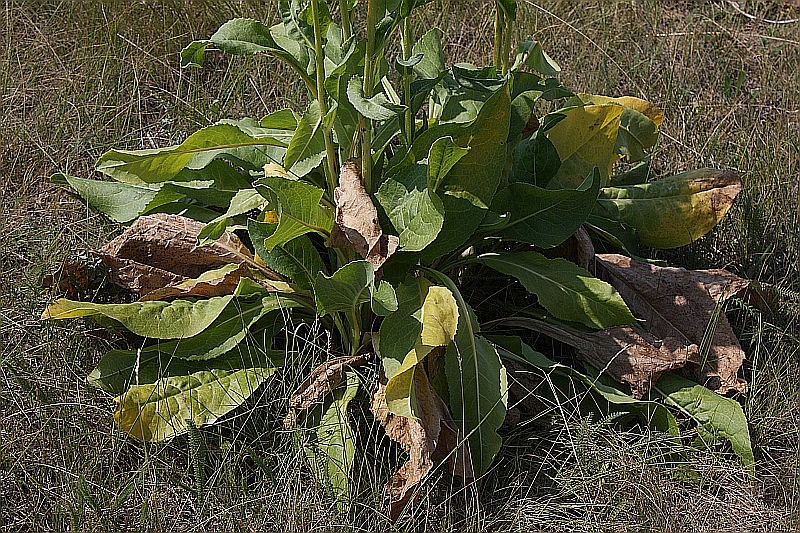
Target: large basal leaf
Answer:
[[672, 212], [197, 151], [437, 321], [299, 209], [415, 211], [477, 384], [297, 259], [536, 160], [586, 139], [121, 202], [639, 123], [332, 451], [118, 370], [544, 217], [157, 320], [716, 416], [307, 148], [349, 287], [566, 290], [160, 411]]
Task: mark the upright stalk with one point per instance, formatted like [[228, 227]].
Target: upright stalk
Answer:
[[331, 173], [347, 25], [408, 39], [369, 85], [507, 30], [499, 22]]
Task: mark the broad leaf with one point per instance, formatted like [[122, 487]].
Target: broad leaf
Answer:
[[672, 212], [443, 156], [530, 54], [197, 151], [307, 147], [159, 411], [544, 217], [299, 209], [297, 259], [350, 287], [415, 211], [378, 107], [716, 416], [477, 384], [585, 139], [245, 200], [536, 160], [566, 290]]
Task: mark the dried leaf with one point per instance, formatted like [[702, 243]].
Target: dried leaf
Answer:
[[219, 282], [320, 382], [357, 219], [675, 303], [71, 278], [429, 441], [161, 249], [628, 356]]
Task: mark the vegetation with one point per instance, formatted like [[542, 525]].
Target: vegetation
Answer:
[[485, 176]]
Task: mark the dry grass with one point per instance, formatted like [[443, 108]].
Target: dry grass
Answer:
[[77, 78]]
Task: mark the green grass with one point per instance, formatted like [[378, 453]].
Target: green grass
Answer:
[[77, 78]]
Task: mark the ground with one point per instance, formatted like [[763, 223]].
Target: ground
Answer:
[[77, 78]]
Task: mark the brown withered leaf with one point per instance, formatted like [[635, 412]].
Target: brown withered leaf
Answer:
[[71, 278], [627, 355], [429, 441], [218, 282], [675, 303], [722, 285], [320, 382], [161, 249], [357, 224]]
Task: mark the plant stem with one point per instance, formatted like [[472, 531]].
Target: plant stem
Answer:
[[498, 35], [408, 39], [330, 150], [347, 25], [369, 84], [509, 24]]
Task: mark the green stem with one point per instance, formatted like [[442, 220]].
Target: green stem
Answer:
[[408, 39], [347, 25], [498, 36], [369, 85], [507, 45], [330, 150], [355, 332]]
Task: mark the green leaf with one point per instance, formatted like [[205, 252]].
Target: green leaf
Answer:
[[536, 160], [118, 370], [567, 291], [158, 320], [544, 217], [307, 148], [297, 259], [282, 119], [332, 452], [378, 107], [430, 46], [351, 286], [245, 200], [299, 210], [672, 212], [508, 8], [469, 188], [159, 411], [530, 54], [443, 156], [715, 415], [121, 202], [585, 139], [414, 210], [477, 382], [400, 330], [196, 152]]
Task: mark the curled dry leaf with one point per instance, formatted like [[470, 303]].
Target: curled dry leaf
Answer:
[[218, 282], [161, 249], [682, 306], [356, 224], [429, 441], [320, 382], [625, 354]]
